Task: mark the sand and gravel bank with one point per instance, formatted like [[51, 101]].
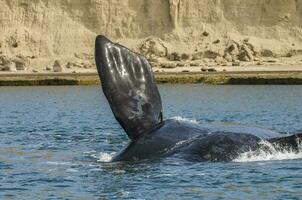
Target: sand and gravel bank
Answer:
[[252, 77]]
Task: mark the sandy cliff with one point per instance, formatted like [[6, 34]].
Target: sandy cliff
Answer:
[[207, 32]]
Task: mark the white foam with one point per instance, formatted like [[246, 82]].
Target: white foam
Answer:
[[182, 119], [105, 157], [269, 152], [58, 163]]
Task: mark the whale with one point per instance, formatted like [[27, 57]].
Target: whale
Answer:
[[129, 86]]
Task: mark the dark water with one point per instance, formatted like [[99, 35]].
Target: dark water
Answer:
[[55, 142]]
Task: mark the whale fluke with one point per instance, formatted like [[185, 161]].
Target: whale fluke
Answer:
[[129, 87], [133, 96]]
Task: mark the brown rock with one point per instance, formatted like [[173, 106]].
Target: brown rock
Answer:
[[153, 47], [211, 54], [22, 63], [180, 64], [197, 56], [10, 66], [232, 49], [205, 33], [194, 64], [246, 40], [3, 59], [57, 67], [216, 41], [153, 58], [271, 60], [15, 44], [185, 56], [266, 53], [174, 56], [153, 64], [220, 61], [228, 57], [69, 65], [168, 65], [84, 56], [289, 54], [236, 63], [212, 70], [245, 53]]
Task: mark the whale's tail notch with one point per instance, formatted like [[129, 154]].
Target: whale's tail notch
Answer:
[[129, 87]]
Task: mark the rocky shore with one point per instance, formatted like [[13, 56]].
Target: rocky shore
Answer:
[[222, 55], [213, 78]]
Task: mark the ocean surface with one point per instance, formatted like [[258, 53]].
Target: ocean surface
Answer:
[[56, 143]]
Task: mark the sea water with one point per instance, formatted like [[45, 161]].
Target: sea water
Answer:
[[57, 143]]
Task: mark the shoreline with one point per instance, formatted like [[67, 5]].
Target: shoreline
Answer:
[[212, 78]]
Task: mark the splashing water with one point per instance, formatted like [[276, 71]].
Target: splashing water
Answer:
[[182, 119], [268, 152], [105, 157]]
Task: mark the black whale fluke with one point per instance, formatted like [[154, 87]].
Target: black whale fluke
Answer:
[[129, 87]]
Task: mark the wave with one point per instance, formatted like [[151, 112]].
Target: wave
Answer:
[[269, 152], [58, 163]]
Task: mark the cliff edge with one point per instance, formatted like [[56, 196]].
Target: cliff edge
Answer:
[[170, 33]]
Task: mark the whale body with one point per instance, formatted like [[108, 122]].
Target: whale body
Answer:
[[129, 86]]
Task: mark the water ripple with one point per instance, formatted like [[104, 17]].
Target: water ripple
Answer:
[[56, 143]]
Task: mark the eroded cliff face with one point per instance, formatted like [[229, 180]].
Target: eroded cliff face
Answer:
[[45, 30]]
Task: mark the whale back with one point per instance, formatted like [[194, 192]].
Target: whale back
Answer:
[[129, 86]]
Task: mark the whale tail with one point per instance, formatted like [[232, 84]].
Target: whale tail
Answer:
[[129, 87], [292, 142]]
